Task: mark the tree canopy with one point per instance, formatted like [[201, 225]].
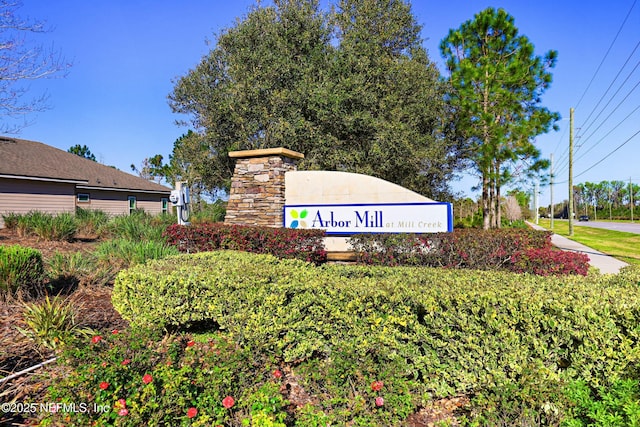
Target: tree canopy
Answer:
[[353, 89], [82, 151], [497, 82]]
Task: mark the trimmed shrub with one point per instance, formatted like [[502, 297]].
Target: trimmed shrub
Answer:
[[549, 261], [617, 405], [510, 342], [471, 249], [21, 271], [306, 245]]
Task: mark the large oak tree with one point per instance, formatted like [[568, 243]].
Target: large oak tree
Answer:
[[353, 89]]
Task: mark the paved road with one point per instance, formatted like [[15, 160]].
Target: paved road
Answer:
[[617, 226]]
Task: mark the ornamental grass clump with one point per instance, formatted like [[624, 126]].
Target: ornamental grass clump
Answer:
[[51, 323], [21, 272], [123, 253]]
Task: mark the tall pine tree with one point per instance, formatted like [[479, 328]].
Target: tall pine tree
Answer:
[[497, 83]]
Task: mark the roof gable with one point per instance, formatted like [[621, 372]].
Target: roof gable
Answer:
[[31, 159]]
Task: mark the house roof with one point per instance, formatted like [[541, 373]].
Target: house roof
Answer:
[[20, 158]]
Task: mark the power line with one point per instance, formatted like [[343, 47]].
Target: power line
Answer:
[[563, 159], [608, 133], [611, 99], [607, 53], [605, 157]]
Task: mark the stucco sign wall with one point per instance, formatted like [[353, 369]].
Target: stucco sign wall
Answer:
[[418, 217]]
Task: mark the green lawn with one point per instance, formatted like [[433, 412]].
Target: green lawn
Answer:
[[624, 246]]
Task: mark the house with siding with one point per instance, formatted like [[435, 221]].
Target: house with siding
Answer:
[[36, 176]]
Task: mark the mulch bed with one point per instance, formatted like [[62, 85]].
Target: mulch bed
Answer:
[[93, 309]]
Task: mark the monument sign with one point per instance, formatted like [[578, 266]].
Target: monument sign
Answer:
[[344, 219]]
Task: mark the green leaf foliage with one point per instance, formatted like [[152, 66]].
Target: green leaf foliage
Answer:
[[353, 89], [617, 405], [304, 244], [508, 341], [82, 151], [497, 82], [51, 323], [140, 378], [21, 271]]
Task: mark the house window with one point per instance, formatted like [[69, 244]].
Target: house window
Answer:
[[83, 198], [165, 205], [132, 204]]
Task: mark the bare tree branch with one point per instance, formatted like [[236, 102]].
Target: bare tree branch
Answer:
[[22, 61]]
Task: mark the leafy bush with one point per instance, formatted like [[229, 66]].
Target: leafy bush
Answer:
[[471, 249], [617, 405], [466, 248], [307, 245], [549, 261], [209, 212], [508, 341], [140, 378], [21, 271]]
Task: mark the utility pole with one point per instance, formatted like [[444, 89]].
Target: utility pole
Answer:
[[631, 197], [571, 172], [551, 190], [535, 201]]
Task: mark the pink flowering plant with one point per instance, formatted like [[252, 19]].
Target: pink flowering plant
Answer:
[[286, 343], [176, 380], [171, 380]]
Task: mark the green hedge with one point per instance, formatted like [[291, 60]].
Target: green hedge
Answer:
[[21, 271], [509, 341], [303, 244], [513, 249]]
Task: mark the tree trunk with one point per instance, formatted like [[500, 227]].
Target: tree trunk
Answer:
[[498, 207], [486, 215]]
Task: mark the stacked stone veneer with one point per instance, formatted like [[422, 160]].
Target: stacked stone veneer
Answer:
[[257, 186]]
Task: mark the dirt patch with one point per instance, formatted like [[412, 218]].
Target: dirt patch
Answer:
[[46, 247]]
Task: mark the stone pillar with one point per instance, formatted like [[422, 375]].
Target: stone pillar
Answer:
[[257, 186]]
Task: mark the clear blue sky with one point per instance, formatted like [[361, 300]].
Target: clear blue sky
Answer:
[[126, 54]]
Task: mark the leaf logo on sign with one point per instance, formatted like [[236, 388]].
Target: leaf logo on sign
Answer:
[[298, 218]]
